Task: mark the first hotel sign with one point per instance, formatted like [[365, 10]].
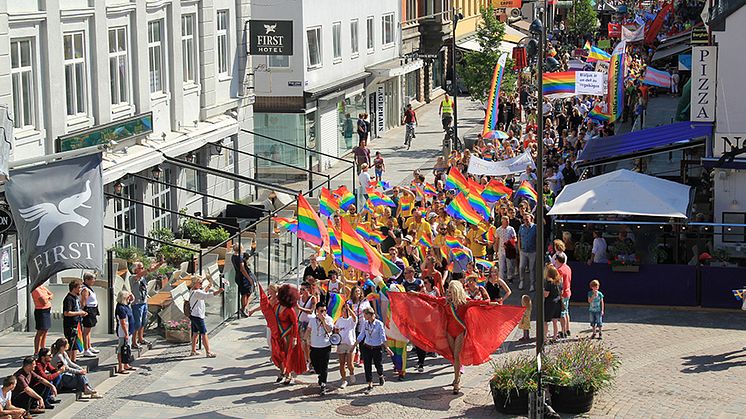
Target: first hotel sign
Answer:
[[271, 37]]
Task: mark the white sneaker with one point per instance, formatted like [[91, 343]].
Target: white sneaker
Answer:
[[89, 353], [343, 385], [520, 285], [352, 379], [94, 350]]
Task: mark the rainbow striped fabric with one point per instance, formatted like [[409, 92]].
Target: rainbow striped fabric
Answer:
[[369, 233], [79, 339], [495, 190], [334, 305], [430, 189], [286, 224], [461, 209], [476, 201], [426, 241], [380, 184], [399, 355], [490, 120], [345, 197], [598, 54], [484, 263], [328, 204], [379, 199], [353, 248], [456, 180], [526, 191], [336, 249], [562, 83], [453, 242], [310, 227], [617, 72]]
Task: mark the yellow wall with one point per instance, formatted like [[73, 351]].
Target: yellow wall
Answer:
[[470, 10]]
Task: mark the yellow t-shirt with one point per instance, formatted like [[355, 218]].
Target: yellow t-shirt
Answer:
[[475, 235], [404, 199], [352, 219]]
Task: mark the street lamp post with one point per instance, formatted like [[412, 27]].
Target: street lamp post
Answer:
[[454, 88]]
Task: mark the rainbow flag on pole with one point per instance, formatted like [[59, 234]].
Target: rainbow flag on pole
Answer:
[[310, 227], [379, 199], [460, 208], [328, 204], [456, 180], [334, 305], [598, 54], [526, 191], [617, 72], [429, 189], [354, 249], [334, 245], [490, 121], [476, 201], [286, 224], [495, 190], [346, 198], [79, 339], [558, 84]]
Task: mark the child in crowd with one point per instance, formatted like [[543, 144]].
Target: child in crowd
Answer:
[[525, 323], [379, 165], [596, 308]]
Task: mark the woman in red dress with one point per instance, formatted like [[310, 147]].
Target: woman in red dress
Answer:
[[282, 320]]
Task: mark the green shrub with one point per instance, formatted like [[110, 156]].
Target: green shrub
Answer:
[[586, 363]]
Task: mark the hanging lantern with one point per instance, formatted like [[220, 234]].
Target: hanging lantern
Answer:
[[519, 58]]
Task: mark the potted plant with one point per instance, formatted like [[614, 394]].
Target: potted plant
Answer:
[[575, 371], [512, 381], [178, 331], [582, 251]]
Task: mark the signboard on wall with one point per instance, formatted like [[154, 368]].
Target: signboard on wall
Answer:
[[6, 263], [733, 143], [381, 109], [615, 30], [121, 130], [514, 4], [702, 105], [271, 37]]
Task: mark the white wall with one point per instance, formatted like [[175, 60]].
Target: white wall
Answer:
[[731, 90]]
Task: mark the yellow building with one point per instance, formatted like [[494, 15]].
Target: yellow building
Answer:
[[472, 17]]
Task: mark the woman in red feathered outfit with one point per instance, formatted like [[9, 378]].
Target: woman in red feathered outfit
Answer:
[[466, 332], [282, 321]]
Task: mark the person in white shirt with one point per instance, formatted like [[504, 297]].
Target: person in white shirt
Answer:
[[320, 327], [346, 326], [363, 182], [528, 175], [197, 297], [505, 234], [598, 252]]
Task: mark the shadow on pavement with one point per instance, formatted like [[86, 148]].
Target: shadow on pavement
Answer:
[[709, 363]]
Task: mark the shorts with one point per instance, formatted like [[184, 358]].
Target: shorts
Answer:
[[198, 325], [446, 120], [43, 318], [91, 319], [140, 313], [566, 305], [379, 173], [71, 334], [596, 318], [244, 287], [344, 348]]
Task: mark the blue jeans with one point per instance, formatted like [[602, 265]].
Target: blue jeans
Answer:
[[140, 313], [596, 318]]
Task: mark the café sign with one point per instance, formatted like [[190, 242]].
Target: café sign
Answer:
[[271, 37]]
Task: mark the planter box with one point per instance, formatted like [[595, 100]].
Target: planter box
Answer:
[[571, 399], [625, 268], [515, 403], [178, 336]]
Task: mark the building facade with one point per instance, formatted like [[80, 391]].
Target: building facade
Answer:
[[174, 68]]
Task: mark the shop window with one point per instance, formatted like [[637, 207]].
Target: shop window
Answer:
[[734, 234]]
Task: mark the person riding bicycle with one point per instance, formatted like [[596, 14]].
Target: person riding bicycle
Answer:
[[446, 111], [410, 120]]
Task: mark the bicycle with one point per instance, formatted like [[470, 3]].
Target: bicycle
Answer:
[[409, 135]]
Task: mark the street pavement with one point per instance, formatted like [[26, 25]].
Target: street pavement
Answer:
[[675, 363]]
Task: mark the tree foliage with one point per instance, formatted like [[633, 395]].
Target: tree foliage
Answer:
[[583, 19], [477, 67]]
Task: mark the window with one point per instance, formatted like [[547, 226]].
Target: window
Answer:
[[222, 34], [369, 32], [354, 44], [193, 181], [161, 201], [187, 46], [75, 73], [279, 61], [387, 29], [337, 40], [125, 214], [118, 66], [734, 234], [410, 11], [22, 75], [155, 56], [314, 47]]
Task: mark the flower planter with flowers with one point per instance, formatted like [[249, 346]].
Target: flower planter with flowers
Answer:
[[178, 331], [624, 266], [512, 381], [576, 371]]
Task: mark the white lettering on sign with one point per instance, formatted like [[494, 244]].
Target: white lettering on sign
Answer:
[[726, 142], [702, 105]]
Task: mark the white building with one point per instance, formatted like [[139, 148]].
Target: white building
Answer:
[[176, 66], [347, 60]]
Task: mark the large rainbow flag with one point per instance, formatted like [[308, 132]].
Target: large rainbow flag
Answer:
[[334, 306], [456, 180], [334, 245], [617, 71], [328, 204], [461, 209], [527, 191], [476, 201], [598, 54], [346, 198], [353, 248], [495, 190], [490, 121], [558, 84], [310, 227]]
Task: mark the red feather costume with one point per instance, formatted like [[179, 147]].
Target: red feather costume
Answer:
[[427, 321], [282, 324]]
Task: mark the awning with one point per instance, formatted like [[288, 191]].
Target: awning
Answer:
[[645, 142], [473, 45], [667, 52], [623, 192], [337, 86], [523, 25], [393, 68], [715, 163]]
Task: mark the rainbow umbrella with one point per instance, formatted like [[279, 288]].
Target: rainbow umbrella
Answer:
[[495, 135]]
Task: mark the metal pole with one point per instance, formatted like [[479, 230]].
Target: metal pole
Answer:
[[454, 87], [110, 285], [310, 172], [269, 248]]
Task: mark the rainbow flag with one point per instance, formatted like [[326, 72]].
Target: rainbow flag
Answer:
[[310, 227], [484, 264], [399, 355], [379, 184], [417, 189], [334, 244], [460, 208], [456, 180], [369, 233], [490, 121], [476, 201], [430, 190], [286, 224], [598, 114], [494, 191], [345, 197], [598, 54], [426, 241], [453, 242], [459, 252], [79, 339], [526, 191], [334, 305], [379, 199], [355, 250], [559, 84], [587, 46], [385, 267], [617, 72], [405, 206], [328, 204], [481, 281], [491, 234]]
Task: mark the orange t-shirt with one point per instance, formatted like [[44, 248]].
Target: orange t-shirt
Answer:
[[42, 297]]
